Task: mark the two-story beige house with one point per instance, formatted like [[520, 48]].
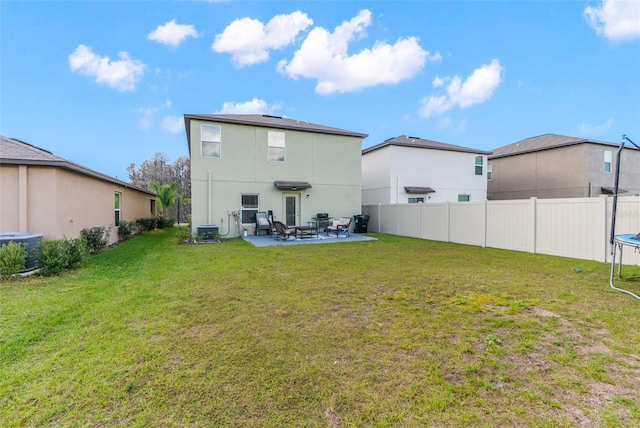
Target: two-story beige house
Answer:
[[41, 193], [244, 163], [558, 166]]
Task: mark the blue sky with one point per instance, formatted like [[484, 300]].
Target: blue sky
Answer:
[[106, 83]]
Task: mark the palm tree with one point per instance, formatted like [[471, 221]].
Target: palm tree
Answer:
[[168, 194]]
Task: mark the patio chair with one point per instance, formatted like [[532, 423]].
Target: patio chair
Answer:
[[262, 223], [282, 230], [340, 224]]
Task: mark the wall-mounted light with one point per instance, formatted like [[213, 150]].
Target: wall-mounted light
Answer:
[[307, 196]]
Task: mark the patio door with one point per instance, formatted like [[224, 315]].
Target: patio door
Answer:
[[291, 208]]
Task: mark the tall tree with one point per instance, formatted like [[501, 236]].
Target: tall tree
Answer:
[[160, 170], [168, 194]]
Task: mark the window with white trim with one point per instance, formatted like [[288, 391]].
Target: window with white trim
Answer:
[[607, 161], [211, 141], [479, 164], [464, 198], [249, 208], [276, 141], [116, 204], [489, 171], [417, 200]]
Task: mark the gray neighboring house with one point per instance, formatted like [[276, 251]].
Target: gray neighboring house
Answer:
[[559, 166], [245, 163]]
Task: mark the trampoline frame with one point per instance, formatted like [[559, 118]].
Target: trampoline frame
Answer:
[[618, 242]]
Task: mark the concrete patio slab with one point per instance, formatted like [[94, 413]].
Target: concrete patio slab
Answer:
[[268, 241]]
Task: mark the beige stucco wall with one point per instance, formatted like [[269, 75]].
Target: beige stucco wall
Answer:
[[331, 163], [566, 172], [59, 203], [557, 173]]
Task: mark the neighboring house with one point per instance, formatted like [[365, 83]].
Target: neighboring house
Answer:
[[558, 166], [246, 163], [413, 170], [41, 193]]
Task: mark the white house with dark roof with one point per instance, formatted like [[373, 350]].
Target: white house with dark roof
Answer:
[[559, 166], [245, 163], [41, 193], [415, 170]]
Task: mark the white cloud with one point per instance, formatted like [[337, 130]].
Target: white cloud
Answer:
[[121, 75], [146, 121], [324, 56], [173, 124], [478, 88], [594, 130], [172, 34], [254, 106], [249, 41], [615, 19]]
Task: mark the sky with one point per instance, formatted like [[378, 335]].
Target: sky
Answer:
[[106, 83]]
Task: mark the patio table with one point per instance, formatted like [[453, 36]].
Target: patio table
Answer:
[[306, 231]]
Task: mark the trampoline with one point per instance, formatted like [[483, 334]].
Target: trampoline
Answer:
[[618, 242]]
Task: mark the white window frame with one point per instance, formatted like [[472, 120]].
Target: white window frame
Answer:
[[250, 210], [276, 146], [117, 206], [479, 165], [607, 161], [416, 200], [211, 141], [489, 171], [464, 197]]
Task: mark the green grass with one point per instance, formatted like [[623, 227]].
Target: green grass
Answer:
[[394, 332]]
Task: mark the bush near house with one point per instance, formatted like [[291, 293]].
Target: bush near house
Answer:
[[13, 257], [151, 223], [56, 255], [127, 229], [97, 238]]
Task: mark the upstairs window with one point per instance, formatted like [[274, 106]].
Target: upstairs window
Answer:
[[607, 161], [276, 146], [479, 164], [249, 208], [211, 141], [116, 204], [489, 171]]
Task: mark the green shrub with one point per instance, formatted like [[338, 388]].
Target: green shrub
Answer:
[[56, 255], [97, 238], [13, 257], [164, 222], [184, 236], [126, 229], [147, 223]]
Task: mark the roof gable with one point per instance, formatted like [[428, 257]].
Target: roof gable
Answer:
[[268, 121], [542, 142], [420, 143], [16, 152]]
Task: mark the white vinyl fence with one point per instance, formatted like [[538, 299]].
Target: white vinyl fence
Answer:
[[577, 227]]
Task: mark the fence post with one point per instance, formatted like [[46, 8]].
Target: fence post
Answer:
[[484, 220], [448, 221], [534, 225]]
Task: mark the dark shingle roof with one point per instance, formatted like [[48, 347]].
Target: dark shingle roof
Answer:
[[269, 121], [542, 142], [16, 152], [421, 143]]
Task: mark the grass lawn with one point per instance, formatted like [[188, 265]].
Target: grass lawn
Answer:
[[394, 332]]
